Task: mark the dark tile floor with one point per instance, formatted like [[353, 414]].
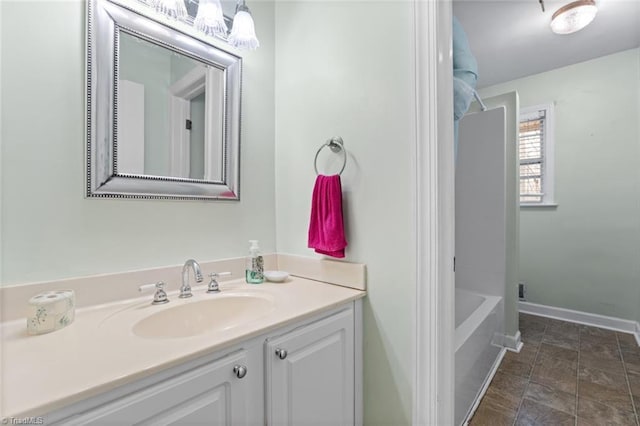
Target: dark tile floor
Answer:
[[566, 374]]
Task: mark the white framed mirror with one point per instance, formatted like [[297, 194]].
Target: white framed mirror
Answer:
[[163, 110]]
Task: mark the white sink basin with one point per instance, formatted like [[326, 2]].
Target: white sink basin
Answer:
[[193, 318]]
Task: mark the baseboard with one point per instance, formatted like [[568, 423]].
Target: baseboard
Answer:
[[513, 343], [586, 318], [485, 386]]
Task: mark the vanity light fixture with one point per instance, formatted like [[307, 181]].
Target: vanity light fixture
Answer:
[[172, 9], [573, 16], [210, 19], [243, 32]]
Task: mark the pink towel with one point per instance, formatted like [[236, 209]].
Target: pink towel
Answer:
[[326, 229]]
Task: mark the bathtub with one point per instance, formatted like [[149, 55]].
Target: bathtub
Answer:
[[478, 344]]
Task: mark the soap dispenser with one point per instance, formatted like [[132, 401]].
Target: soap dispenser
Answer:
[[255, 264]]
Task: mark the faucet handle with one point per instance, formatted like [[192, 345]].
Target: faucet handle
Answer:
[[213, 284], [160, 295]]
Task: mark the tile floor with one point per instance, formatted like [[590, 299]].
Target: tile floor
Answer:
[[566, 374]]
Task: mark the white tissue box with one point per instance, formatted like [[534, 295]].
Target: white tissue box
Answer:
[[50, 311]]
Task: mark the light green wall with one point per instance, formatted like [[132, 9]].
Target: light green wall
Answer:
[[49, 230], [341, 71], [584, 254]]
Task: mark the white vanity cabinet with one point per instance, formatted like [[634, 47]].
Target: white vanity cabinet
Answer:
[[310, 374], [216, 393], [305, 373]]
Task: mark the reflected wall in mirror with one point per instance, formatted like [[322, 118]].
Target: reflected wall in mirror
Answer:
[[164, 110]]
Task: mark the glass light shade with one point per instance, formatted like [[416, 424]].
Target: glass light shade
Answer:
[[573, 17], [209, 18], [172, 9], [243, 32]]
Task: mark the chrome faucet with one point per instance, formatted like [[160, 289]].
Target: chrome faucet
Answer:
[[185, 290]]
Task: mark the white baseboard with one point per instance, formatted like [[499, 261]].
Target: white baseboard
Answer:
[[485, 385], [513, 343], [586, 318]]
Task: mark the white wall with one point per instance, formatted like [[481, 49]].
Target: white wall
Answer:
[[49, 230], [583, 255], [346, 69]]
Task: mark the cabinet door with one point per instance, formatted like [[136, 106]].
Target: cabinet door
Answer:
[[208, 395], [313, 382]]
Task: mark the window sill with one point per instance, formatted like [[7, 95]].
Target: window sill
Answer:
[[540, 205]]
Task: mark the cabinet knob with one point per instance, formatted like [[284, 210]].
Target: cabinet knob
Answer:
[[281, 353], [240, 371]]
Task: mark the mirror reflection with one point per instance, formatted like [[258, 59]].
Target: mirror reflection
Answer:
[[164, 100]]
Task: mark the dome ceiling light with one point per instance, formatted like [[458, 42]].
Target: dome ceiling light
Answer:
[[573, 16]]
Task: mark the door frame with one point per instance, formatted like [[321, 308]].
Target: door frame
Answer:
[[209, 81], [434, 173]]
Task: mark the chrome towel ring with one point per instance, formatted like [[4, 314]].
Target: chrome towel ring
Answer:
[[336, 145]]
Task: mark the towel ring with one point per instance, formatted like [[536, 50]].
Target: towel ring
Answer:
[[336, 145]]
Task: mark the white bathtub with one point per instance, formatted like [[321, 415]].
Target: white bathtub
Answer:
[[478, 343]]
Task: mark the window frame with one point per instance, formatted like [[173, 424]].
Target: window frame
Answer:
[[548, 153]]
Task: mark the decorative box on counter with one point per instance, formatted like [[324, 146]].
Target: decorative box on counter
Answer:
[[50, 311]]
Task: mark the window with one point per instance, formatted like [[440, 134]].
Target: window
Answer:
[[536, 156]]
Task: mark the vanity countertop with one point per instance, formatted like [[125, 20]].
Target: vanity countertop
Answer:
[[99, 351]]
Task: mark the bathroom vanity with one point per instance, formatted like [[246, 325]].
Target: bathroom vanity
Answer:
[[292, 364]]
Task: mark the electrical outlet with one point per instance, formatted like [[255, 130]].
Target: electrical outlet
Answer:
[[522, 291]]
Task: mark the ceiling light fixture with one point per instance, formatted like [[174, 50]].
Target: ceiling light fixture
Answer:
[[573, 16]]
